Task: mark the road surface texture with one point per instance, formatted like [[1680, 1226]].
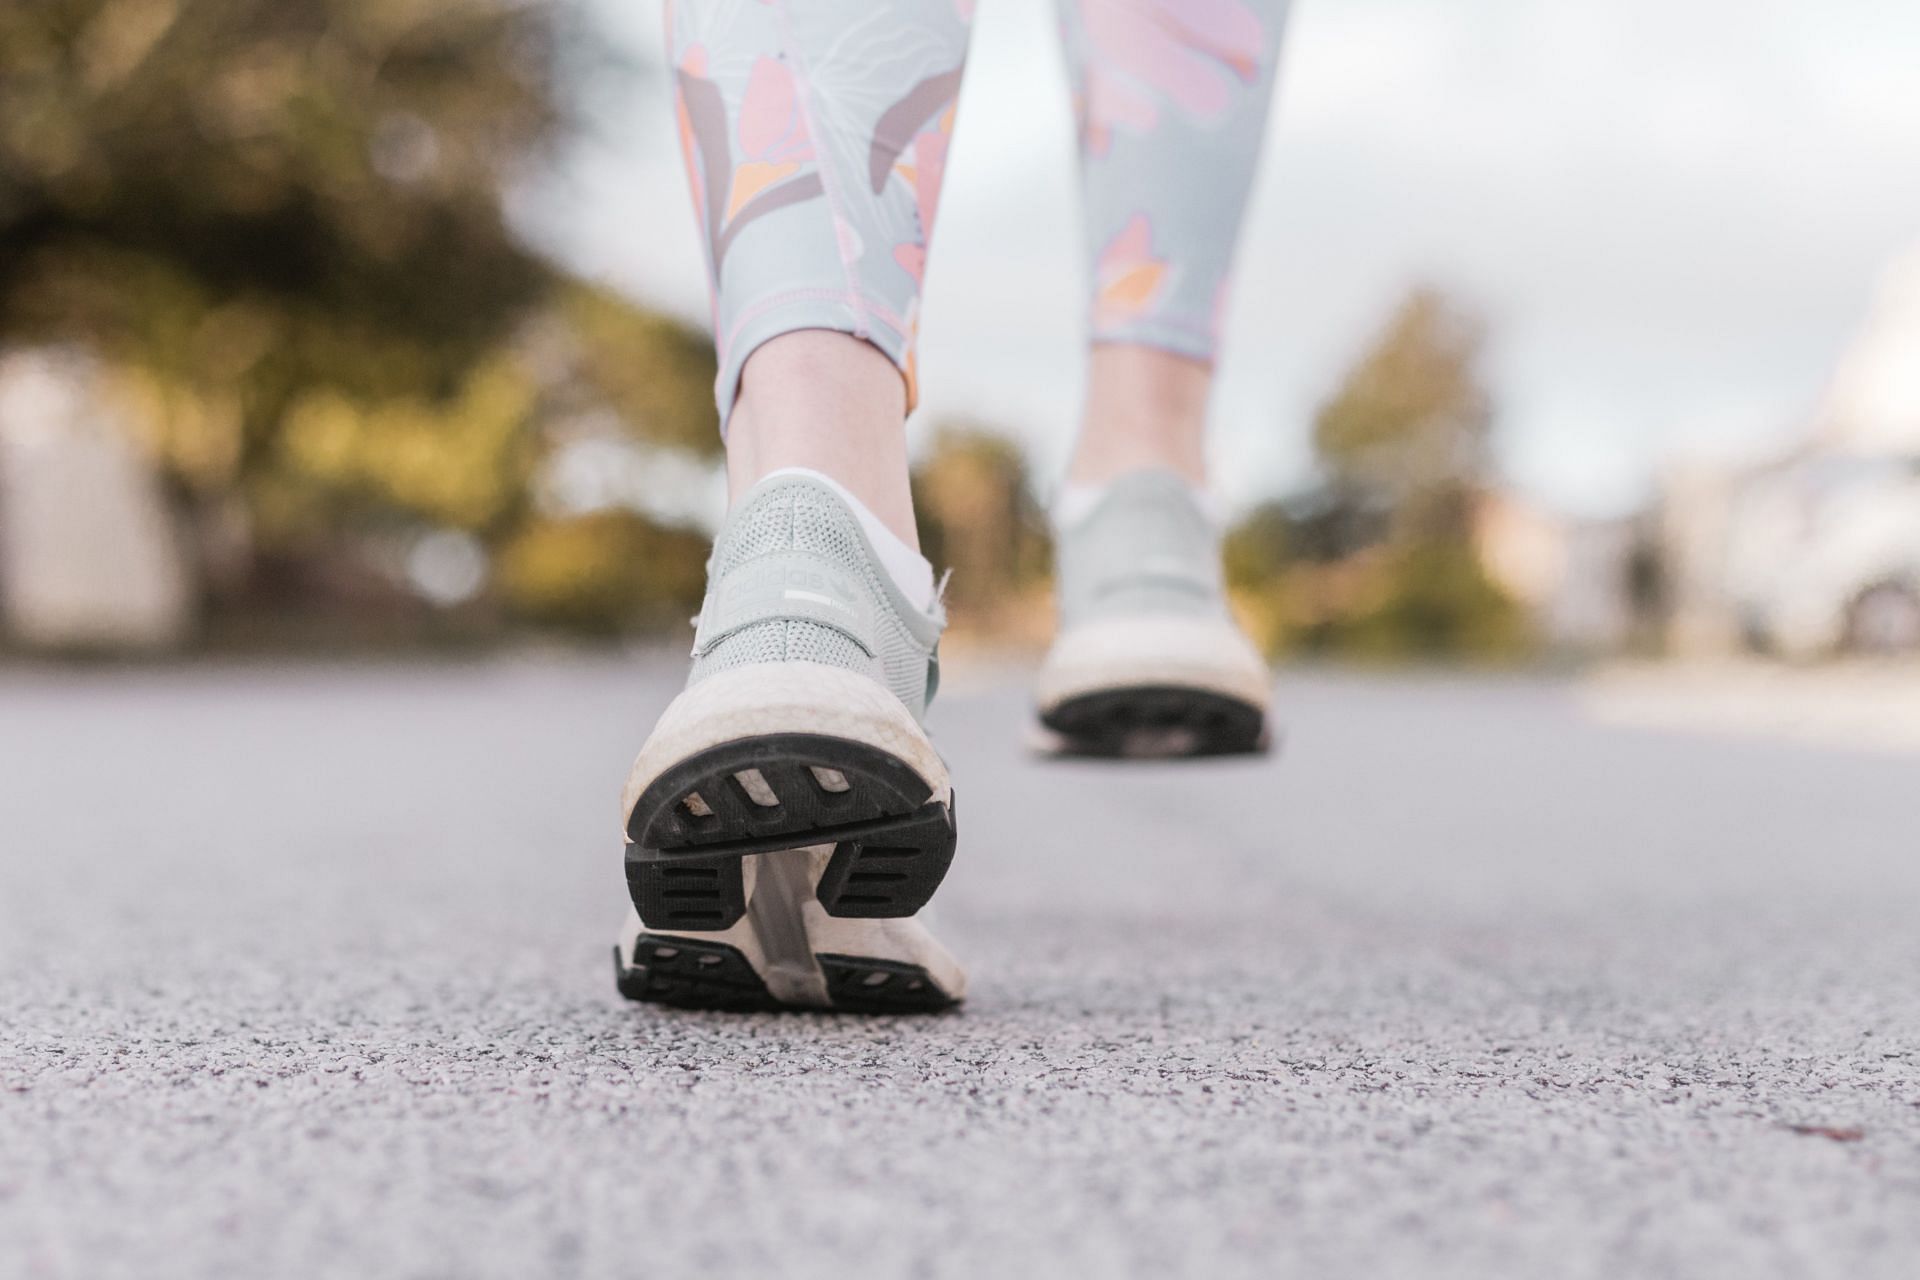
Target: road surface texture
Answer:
[[304, 971]]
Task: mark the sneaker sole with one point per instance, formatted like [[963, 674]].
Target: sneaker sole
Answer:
[[1154, 688], [688, 973], [788, 953], [692, 973], [688, 832], [864, 791], [1156, 722]]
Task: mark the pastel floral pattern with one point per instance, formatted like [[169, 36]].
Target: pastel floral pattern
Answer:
[[774, 147], [1129, 278], [1172, 97], [910, 146], [1144, 54], [816, 135], [772, 133]]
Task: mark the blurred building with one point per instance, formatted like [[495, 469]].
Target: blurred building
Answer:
[[1807, 552], [1816, 550], [1873, 405], [1580, 579], [89, 555]]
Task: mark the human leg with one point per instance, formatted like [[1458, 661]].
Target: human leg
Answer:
[[1172, 98], [788, 812]]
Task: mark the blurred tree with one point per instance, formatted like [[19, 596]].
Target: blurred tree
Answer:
[[1261, 545], [1428, 599], [1407, 431], [651, 372], [312, 185], [282, 221], [1379, 559], [978, 518], [603, 573]]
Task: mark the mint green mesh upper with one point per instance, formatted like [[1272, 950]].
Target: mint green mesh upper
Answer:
[[794, 514], [1147, 548]]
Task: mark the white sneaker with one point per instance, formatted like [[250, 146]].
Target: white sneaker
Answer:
[[788, 812], [1148, 661]]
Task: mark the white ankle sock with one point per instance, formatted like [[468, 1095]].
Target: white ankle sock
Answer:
[[1075, 502], [909, 569]]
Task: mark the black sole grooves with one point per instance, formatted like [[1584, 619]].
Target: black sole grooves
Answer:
[[696, 821], [1156, 722], [863, 984], [689, 973]]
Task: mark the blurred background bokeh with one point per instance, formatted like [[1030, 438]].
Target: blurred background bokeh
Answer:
[[1561, 332]]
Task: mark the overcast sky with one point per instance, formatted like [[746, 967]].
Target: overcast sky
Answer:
[[1671, 213]]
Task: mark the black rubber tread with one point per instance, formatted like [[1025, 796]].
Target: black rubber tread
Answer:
[[683, 869], [893, 873], [691, 974], [697, 894], [688, 973], [865, 984], [1157, 722], [882, 786]]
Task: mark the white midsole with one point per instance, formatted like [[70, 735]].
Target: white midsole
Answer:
[[1120, 653], [784, 697]]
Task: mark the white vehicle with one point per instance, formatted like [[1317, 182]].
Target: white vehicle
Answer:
[[1824, 555]]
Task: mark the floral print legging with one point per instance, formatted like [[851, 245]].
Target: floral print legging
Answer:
[[816, 134]]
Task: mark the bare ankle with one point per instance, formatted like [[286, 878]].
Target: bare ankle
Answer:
[[831, 403], [1145, 408]]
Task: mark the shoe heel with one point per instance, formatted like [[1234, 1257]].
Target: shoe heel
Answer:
[[693, 824]]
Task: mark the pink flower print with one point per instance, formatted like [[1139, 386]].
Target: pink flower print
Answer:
[[923, 166], [1145, 52], [693, 67], [1128, 278], [910, 142], [912, 259], [930, 166], [777, 170], [772, 133]]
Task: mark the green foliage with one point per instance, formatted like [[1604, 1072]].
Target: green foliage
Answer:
[[649, 370], [333, 167], [1380, 562], [602, 573], [1260, 547], [979, 519], [1408, 428], [1429, 600], [281, 224], [462, 461]]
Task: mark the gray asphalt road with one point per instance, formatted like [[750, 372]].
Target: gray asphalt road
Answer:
[[304, 972]]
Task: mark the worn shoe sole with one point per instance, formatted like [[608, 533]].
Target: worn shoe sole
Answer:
[[786, 952], [779, 757], [1154, 688]]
